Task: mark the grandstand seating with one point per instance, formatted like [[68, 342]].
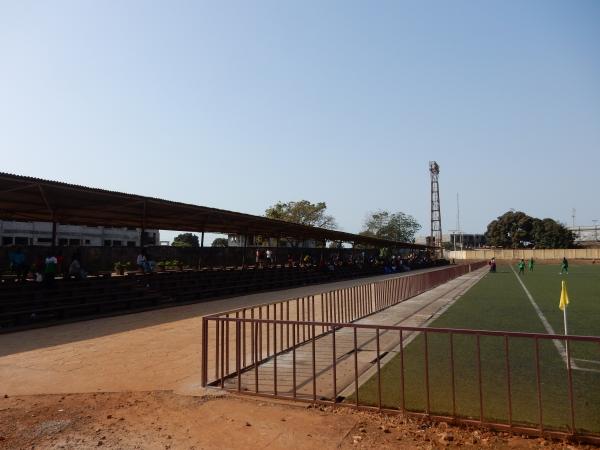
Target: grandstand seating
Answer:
[[30, 305]]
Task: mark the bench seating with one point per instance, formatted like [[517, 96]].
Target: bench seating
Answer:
[[30, 304]]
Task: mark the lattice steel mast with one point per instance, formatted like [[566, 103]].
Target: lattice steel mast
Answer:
[[436, 216]]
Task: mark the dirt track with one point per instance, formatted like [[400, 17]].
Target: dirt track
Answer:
[[163, 420]]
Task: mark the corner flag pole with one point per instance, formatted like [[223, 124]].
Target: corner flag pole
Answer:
[[566, 332], [564, 301]]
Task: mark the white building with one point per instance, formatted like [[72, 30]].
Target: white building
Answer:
[[586, 234], [461, 240], [40, 233], [237, 240]]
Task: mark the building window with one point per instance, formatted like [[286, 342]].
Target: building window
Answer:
[[107, 243], [116, 243], [87, 242], [7, 240], [130, 243], [63, 242], [21, 240], [44, 240], [74, 241]]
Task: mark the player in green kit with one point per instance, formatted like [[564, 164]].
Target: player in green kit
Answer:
[[521, 267], [564, 267], [531, 264]]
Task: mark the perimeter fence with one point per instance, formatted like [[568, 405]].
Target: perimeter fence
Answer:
[[308, 349], [264, 339]]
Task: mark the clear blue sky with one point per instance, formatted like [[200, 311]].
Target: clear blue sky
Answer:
[[240, 104]]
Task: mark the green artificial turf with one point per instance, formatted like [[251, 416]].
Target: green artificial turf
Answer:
[[498, 302]]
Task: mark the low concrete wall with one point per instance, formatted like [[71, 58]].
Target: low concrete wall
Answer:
[[541, 254]]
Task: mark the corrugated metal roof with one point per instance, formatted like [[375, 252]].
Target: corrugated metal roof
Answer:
[[30, 198]]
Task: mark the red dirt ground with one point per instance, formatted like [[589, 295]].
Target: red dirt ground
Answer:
[[164, 420]]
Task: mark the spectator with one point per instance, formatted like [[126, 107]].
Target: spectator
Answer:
[[307, 260], [37, 269], [75, 269], [17, 264], [143, 263], [50, 266], [60, 268], [257, 258], [269, 257]]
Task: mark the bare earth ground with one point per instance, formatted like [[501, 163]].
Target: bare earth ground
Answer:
[[60, 388], [164, 420]]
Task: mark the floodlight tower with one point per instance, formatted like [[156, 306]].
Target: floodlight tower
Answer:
[[436, 216]]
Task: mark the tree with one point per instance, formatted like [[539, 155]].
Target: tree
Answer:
[[220, 242], [186, 240], [393, 226], [515, 229], [510, 230], [302, 212]]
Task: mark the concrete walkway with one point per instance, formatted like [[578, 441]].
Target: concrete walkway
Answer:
[[154, 350], [417, 311]]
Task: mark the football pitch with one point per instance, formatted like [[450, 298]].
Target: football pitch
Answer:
[[500, 302]]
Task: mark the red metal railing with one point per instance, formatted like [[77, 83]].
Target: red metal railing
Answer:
[[307, 348], [306, 378], [343, 305]]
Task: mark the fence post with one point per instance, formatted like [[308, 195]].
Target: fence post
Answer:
[[204, 351]]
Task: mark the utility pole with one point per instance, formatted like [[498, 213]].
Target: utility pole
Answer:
[[573, 216], [458, 230]]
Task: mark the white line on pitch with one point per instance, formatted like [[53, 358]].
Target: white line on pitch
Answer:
[[559, 346], [591, 361]]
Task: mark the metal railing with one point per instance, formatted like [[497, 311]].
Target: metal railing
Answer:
[[342, 305], [308, 349], [440, 362]]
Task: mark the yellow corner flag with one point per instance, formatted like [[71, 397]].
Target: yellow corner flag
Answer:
[[564, 297]]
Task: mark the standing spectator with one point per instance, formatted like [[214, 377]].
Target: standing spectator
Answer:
[[17, 264], [257, 257], [269, 257], [60, 268], [50, 266], [492, 264]]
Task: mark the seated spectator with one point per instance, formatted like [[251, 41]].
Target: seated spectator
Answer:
[[307, 260], [75, 269], [17, 264], [143, 262]]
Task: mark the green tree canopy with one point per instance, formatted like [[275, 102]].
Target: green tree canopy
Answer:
[[220, 242], [394, 226], [303, 212], [186, 240], [515, 229]]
